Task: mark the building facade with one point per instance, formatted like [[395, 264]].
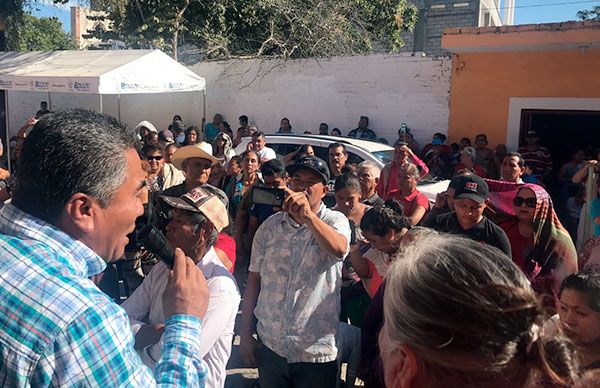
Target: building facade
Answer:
[[543, 77], [436, 15]]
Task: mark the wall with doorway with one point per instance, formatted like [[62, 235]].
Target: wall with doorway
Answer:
[[496, 69], [390, 89], [484, 83]]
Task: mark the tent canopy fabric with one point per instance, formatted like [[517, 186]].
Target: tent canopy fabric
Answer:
[[96, 72]]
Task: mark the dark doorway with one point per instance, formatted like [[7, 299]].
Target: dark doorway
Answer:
[[563, 131]]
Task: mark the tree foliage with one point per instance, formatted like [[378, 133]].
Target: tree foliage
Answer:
[[590, 14], [28, 33], [283, 28]]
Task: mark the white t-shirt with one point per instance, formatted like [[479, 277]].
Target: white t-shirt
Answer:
[[267, 154], [145, 306]]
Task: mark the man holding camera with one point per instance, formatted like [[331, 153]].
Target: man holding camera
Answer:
[[294, 284]]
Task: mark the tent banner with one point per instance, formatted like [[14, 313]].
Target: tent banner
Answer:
[[49, 84]]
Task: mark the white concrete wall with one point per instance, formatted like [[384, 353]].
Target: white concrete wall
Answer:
[[390, 89], [156, 108]]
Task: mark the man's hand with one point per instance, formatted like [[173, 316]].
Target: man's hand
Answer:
[[187, 290], [248, 347], [297, 205], [4, 174], [407, 150], [31, 121], [148, 335], [441, 199]]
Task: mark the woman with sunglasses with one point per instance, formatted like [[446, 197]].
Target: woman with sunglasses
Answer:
[[161, 175], [540, 245]]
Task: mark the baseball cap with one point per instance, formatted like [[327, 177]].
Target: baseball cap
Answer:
[[471, 187], [201, 150], [202, 201], [311, 163]]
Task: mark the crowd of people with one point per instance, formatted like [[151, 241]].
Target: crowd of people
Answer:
[[482, 288]]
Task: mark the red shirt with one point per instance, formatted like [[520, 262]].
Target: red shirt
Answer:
[[520, 246], [410, 202], [376, 279], [392, 175], [226, 243]]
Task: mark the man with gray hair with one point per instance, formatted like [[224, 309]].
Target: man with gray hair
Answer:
[[368, 176], [78, 194], [198, 216]]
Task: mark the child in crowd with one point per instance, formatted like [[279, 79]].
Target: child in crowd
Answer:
[[528, 176]]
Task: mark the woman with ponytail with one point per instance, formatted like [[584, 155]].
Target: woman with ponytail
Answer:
[[461, 314]]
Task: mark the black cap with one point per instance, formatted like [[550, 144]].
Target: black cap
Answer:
[[456, 181], [471, 187], [312, 163]]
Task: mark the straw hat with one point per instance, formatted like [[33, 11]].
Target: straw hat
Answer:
[[201, 150]]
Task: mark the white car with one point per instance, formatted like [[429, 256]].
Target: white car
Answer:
[[358, 149]]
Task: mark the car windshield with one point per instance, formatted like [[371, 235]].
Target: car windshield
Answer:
[[384, 156]]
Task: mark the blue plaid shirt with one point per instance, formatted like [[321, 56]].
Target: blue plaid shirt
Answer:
[[58, 329]]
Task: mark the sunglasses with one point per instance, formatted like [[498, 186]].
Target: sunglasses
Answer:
[[529, 202], [151, 158]]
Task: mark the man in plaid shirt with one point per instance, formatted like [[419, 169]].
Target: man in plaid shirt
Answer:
[[77, 197]]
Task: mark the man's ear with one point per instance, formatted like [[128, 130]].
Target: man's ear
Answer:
[[80, 211], [376, 180], [325, 189], [206, 230], [404, 368]]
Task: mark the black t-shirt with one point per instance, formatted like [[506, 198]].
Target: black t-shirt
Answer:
[[329, 199], [485, 231]]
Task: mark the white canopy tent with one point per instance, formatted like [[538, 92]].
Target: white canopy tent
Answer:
[[114, 72]]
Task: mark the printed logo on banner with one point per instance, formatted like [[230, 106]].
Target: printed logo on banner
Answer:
[[41, 85], [175, 85], [5, 84], [125, 86], [81, 86], [58, 86]]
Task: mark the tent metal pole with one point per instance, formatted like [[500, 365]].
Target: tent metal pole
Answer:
[[101, 107], [49, 102], [119, 107], [7, 144], [204, 103]]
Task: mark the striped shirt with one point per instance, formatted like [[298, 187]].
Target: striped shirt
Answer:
[[58, 329], [539, 160]]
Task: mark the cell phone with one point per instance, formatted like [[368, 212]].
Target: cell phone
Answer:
[[267, 196]]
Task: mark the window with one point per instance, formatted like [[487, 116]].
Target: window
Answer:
[[487, 19]]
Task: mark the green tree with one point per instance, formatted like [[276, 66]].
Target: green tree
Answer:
[[30, 33], [282, 28], [590, 14]]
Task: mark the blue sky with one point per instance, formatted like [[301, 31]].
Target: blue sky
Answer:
[[526, 11]]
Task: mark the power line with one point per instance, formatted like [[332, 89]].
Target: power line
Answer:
[[544, 5]]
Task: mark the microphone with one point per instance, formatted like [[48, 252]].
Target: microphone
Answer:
[[155, 242]]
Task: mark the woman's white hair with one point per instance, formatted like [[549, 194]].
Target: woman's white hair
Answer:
[[468, 313]]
